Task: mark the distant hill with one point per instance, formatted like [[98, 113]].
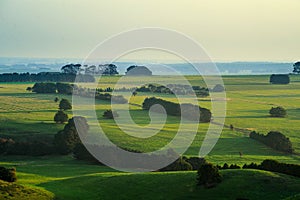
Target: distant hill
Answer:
[[34, 65]]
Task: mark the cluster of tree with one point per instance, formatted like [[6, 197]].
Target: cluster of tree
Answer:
[[33, 148], [8, 175], [278, 112], [87, 92], [104, 69], [66, 88], [275, 166], [226, 166], [175, 89], [45, 77], [136, 70], [275, 140], [52, 88], [66, 140], [280, 79], [188, 111], [208, 175], [61, 116]]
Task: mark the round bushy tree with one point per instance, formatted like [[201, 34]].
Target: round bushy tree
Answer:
[[61, 117], [66, 140], [64, 104], [278, 112], [208, 175]]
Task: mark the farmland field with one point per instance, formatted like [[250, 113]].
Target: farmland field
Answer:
[[28, 116]]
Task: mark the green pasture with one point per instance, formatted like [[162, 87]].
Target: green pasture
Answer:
[[28, 116]]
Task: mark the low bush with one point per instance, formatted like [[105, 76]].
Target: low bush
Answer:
[[8, 175]]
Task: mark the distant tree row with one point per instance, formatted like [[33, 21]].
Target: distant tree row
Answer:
[[52, 88], [280, 79], [30, 148], [66, 88], [273, 166], [188, 111], [45, 77], [104, 69], [275, 140]]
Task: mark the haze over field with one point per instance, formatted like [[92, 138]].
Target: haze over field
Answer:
[[232, 30]]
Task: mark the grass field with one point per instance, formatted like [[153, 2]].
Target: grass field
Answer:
[[25, 115]]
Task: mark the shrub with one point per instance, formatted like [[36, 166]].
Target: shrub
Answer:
[[208, 175], [218, 88], [8, 175], [196, 162], [109, 114], [64, 104], [61, 117], [179, 165], [277, 112]]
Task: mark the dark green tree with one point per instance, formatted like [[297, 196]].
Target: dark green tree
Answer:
[[278, 112], [64, 104], [208, 175], [296, 67], [109, 114], [60, 117], [110, 69], [66, 140]]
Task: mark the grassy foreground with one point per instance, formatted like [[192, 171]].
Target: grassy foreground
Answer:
[[71, 180]]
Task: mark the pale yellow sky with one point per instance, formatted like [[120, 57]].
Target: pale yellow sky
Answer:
[[230, 30]]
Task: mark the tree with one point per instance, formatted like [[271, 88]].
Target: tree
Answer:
[[64, 104], [296, 67], [29, 89], [67, 139], [135, 70], [71, 69], [61, 117], [56, 99], [134, 93], [110, 69], [277, 112], [208, 175], [109, 114]]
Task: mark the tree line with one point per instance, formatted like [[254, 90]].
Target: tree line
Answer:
[[45, 77], [67, 88], [275, 140], [187, 111]]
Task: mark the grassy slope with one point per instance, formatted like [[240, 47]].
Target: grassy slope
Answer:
[[13, 191], [24, 114], [71, 180]]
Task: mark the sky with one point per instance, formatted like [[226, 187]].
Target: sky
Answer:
[[229, 30]]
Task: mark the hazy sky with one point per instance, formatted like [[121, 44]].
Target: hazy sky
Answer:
[[230, 30]]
